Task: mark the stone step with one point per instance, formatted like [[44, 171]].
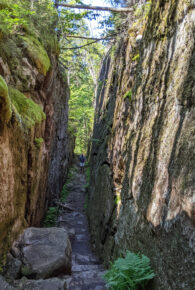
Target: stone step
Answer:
[[88, 287], [89, 275], [82, 268], [86, 280], [84, 259]]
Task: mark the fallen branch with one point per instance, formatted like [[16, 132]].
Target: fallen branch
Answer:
[[99, 8], [64, 205]]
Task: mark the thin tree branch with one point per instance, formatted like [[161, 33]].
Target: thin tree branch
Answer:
[[99, 8], [92, 38], [77, 47]]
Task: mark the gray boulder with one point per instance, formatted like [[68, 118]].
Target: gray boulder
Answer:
[[4, 285], [48, 284], [12, 267], [45, 252]]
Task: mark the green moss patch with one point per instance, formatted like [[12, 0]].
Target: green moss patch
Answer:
[[5, 105], [136, 57], [128, 95], [38, 142], [30, 112], [37, 53]]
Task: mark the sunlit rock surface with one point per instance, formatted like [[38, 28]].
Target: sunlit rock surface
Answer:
[[142, 158]]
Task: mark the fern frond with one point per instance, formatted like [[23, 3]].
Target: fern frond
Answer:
[[130, 272]]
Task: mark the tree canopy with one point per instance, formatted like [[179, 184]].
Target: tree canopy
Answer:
[[66, 32]]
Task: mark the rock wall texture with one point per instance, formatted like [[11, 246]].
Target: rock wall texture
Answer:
[[34, 140], [142, 158]]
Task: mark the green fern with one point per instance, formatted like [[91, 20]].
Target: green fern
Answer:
[[130, 272]]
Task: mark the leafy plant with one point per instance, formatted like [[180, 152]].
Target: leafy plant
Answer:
[[13, 16], [128, 95], [38, 142], [136, 57], [118, 199], [130, 272], [64, 193], [95, 140], [51, 217]]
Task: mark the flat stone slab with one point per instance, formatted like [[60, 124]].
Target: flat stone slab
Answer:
[[82, 268], [4, 285], [45, 252], [48, 284], [89, 275], [87, 280], [85, 259]]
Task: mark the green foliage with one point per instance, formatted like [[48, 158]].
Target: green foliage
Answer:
[[13, 16], [141, 13], [28, 111], [64, 193], [71, 21], [95, 140], [26, 271], [112, 52], [51, 217], [81, 114], [19, 17], [38, 142], [3, 259], [33, 27], [118, 199], [136, 57], [83, 67], [130, 272], [143, 10], [128, 95], [5, 104], [37, 53]]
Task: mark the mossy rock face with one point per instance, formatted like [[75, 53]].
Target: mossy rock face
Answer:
[[30, 113], [5, 105], [37, 53]]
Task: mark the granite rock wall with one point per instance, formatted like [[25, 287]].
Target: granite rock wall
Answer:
[[142, 158], [35, 146]]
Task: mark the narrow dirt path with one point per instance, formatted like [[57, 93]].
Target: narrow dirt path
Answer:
[[87, 271]]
